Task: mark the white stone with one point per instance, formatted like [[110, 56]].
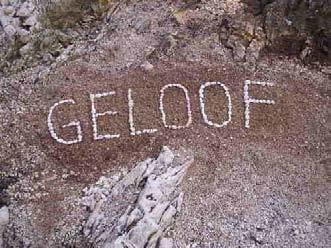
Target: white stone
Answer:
[[31, 21], [166, 243], [4, 20], [4, 220], [133, 130], [9, 10], [16, 22], [166, 156], [147, 66], [4, 2], [26, 49], [10, 31], [10, 25], [25, 10], [253, 51], [4, 216], [239, 51], [24, 36]]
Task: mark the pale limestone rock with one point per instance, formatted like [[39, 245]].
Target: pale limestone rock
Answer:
[[4, 19], [31, 21], [166, 243], [10, 25], [239, 51], [135, 210], [26, 49], [147, 66], [24, 36], [25, 10], [4, 2], [19, 21], [10, 30], [4, 220], [9, 10]]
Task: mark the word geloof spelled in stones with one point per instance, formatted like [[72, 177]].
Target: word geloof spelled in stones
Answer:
[[79, 136]]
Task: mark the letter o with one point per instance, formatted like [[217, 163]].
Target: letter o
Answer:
[[202, 104], [188, 106]]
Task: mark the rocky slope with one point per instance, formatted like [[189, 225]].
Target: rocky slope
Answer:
[[267, 186]]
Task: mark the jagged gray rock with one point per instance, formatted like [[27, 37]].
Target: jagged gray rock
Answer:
[[4, 220], [135, 210]]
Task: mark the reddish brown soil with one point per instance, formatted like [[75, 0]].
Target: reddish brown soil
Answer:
[[283, 125]]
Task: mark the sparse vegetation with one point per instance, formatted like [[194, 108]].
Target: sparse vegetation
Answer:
[[67, 13]]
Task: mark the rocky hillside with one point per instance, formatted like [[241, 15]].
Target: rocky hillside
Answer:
[[164, 123]]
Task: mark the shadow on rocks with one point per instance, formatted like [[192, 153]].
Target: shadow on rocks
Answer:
[[297, 27]]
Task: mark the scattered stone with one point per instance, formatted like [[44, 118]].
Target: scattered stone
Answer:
[[180, 16], [5, 2], [239, 50], [31, 21], [327, 70], [10, 31], [166, 243], [25, 10], [253, 51], [26, 49], [9, 10], [24, 36], [142, 25], [147, 66]]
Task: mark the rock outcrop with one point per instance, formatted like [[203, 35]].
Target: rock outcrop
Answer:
[[136, 210], [18, 20], [297, 27]]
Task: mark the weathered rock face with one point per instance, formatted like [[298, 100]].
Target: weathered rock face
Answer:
[[19, 20], [30, 36], [135, 210], [299, 27], [42, 32]]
